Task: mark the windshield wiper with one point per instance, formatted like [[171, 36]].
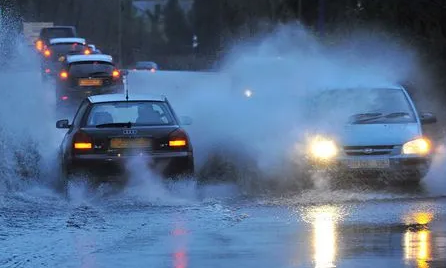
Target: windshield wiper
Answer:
[[391, 115], [127, 125]]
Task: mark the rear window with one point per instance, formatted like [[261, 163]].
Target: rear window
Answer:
[[91, 67], [66, 48], [57, 33], [142, 113]]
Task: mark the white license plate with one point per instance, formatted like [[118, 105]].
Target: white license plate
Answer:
[[369, 163]]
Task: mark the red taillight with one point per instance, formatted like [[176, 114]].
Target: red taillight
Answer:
[[178, 138], [39, 45], [152, 70], [64, 98], [63, 75], [116, 74], [47, 53], [47, 71], [81, 141]]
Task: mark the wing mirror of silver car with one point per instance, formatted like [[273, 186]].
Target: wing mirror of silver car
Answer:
[[428, 118], [63, 123], [125, 72], [185, 120]]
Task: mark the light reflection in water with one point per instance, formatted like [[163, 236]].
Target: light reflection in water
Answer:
[[179, 235], [324, 236], [418, 242]]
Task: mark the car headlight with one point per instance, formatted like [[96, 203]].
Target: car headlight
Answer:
[[421, 146], [323, 148]]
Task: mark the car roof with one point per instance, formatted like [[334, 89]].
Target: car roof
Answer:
[[67, 40], [121, 97], [91, 57]]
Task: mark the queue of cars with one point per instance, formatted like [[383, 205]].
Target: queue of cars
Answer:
[[110, 126], [377, 132]]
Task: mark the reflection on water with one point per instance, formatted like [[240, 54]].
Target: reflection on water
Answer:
[[417, 247], [418, 242], [179, 256], [324, 220]]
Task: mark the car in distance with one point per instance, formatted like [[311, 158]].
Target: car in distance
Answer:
[[370, 132], [146, 65], [55, 53], [109, 130], [48, 33], [82, 76]]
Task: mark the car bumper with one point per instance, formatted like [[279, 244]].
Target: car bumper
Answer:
[[166, 164], [392, 166]]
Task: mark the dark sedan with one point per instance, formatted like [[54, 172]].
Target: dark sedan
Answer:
[[108, 131], [86, 75]]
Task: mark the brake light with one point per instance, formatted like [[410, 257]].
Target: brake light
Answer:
[[178, 138], [64, 97], [39, 45], [47, 71], [116, 74], [63, 75], [82, 141], [47, 53], [152, 70], [87, 52]]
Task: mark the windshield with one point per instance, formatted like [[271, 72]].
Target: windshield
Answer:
[[65, 48], [141, 113], [371, 106], [86, 68]]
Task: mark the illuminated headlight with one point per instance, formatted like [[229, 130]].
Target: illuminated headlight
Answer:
[[323, 148], [421, 146], [248, 93]]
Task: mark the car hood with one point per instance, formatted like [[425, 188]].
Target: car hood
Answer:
[[378, 134]]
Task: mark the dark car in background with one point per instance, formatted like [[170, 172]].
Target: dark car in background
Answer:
[[109, 130], [146, 65], [48, 33], [56, 52], [82, 76]]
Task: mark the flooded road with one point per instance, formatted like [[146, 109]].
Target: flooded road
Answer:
[[190, 226]]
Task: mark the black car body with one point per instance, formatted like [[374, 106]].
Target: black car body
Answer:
[[56, 51], [82, 76], [108, 131], [48, 33], [146, 65]]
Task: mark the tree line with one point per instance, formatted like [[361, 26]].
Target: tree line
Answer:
[[168, 29]]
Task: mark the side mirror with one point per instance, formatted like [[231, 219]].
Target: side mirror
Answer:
[[185, 120], [125, 72], [428, 118], [63, 124]]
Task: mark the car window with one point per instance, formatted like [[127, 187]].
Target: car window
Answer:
[[148, 113], [79, 69], [344, 103], [65, 48]]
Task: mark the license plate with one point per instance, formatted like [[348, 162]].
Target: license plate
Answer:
[[119, 143], [90, 82], [369, 163]]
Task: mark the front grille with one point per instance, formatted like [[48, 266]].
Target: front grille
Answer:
[[368, 150]]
